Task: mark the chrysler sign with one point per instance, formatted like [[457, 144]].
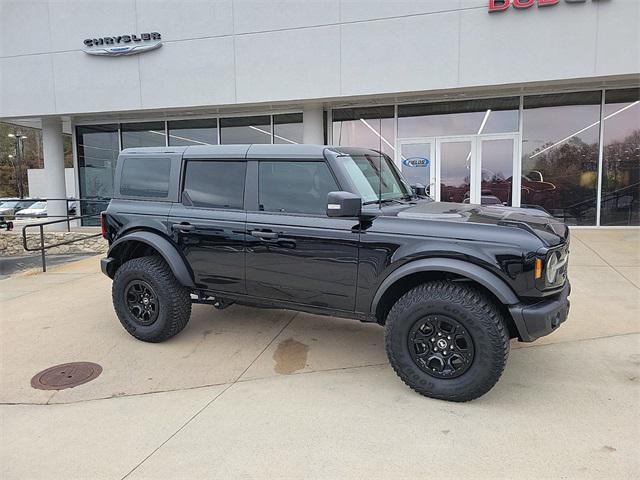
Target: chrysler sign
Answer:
[[502, 5], [123, 44]]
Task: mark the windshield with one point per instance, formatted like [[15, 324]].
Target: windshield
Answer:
[[38, 205], [9, 204], [375, 177]]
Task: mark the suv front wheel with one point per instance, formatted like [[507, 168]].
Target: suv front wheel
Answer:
[[150, 303], [447, 340]]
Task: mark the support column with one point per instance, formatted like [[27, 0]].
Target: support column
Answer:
[[53, 150], [312, 124]]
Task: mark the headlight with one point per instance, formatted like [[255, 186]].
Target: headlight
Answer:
[[555, 263], [552, 268]]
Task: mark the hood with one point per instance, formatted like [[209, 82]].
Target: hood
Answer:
[[538, 222]]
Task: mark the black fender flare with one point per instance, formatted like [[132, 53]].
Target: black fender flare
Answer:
[[484, 277], [164, 247]]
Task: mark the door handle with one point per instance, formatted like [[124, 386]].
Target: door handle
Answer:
[[264, 235], [183, 227]]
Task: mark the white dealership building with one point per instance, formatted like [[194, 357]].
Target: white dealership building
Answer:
[[522, 102]]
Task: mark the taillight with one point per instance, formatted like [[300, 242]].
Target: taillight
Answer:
[[103, 224]]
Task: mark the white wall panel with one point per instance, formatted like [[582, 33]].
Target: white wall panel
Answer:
[[15, 37], [535, 44], [404, 54], [26, 86], [289, 64], [618, 48], [185, 19], [358, 10], [85, 83], [260, 15], [298, 50], [74, 21], [198, 72]]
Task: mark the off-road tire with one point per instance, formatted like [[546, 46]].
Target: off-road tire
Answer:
[[174, 299], [469, 307]]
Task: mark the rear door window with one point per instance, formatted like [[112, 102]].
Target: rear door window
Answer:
[[295, 187], [145, 177], [214, 184]]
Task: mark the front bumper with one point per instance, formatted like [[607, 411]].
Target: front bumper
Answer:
[[539, 319]]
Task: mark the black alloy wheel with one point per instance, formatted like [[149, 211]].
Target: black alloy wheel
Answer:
[[441, 346], [142, 302]]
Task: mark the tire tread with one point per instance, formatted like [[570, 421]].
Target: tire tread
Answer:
[[485, 311]]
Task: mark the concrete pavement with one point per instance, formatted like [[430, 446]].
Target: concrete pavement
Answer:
[[252, 393]]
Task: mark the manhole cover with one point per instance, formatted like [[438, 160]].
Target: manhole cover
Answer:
[[67, 375]]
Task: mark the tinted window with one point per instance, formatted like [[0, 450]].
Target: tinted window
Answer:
[[621, 163], [370, 127], [146, 134], [245, 130], [145, 177], [193, 132], [560, 155], [295, 187], [215, 184]]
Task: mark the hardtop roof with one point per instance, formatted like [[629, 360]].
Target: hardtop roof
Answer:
[[247, 151]]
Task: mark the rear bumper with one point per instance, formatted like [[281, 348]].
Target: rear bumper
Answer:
[[539, 319], [104, 266]]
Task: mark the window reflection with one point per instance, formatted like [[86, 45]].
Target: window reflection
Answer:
[[497, 171], [245, 130], [472, 117], [193, 132], [370, 127], [560, 155], [620, 204], [98, 149], [146, 134], [287, 128], [455, 171]]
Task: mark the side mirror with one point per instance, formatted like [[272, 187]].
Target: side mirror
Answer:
[[343, 204], [419, 189]]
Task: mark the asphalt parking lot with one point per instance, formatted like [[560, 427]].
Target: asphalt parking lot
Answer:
[[254, 393]]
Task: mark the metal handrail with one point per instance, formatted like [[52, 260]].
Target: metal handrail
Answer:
[[66, 217], [42, 248]]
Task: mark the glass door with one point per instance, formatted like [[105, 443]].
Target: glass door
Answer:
[[456, 179], [495, 170], [416, 162], [475, 169]]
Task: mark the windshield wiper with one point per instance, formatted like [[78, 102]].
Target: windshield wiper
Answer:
[[384, 200]]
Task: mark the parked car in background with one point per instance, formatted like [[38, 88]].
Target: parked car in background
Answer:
[[37, 210], [9, 208]]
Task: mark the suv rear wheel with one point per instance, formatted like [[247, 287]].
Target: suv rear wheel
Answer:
[[447, 340], [150, 303]]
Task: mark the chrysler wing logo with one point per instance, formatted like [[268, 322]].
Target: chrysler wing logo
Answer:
[[123, 44]]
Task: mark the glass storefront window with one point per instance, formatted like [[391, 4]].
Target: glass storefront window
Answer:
[[560, 155], [245, 130], [193, 132], [98, 149], [471, 117], [370, 127], [146, 134], [287, 128], [620, 201]]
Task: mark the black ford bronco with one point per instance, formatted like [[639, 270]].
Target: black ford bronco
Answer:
[[333, 231]]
